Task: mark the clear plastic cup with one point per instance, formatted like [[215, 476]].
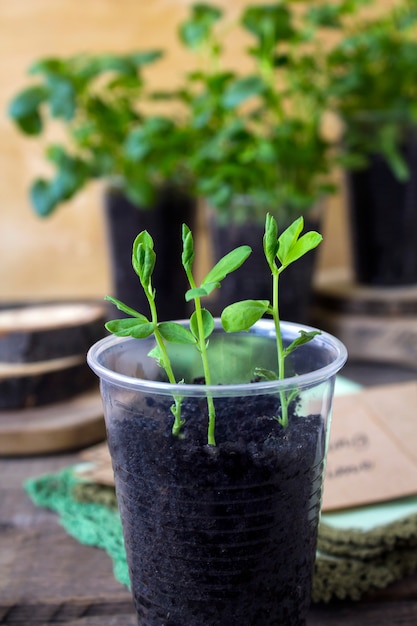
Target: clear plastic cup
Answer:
[[221, 534]]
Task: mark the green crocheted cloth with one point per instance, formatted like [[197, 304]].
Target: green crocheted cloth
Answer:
[[350, 561]]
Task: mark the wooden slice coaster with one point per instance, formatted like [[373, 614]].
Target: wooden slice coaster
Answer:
[[26, 385], [43, 351], [49, 331], [58, 427]]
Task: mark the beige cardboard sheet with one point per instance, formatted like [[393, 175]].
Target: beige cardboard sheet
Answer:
[[372, 453]]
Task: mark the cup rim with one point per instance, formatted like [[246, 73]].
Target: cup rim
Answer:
[[264, 326]]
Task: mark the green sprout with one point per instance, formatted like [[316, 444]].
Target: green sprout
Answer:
[[139, 326], [280, 252], [201, 323]]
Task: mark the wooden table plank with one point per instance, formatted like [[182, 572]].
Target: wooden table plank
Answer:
[[45, 574]]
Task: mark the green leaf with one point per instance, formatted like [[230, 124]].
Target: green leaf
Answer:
[[187, 248], [146, 57], [24, 109], [156, 354], [126, 309], [307, 242], [305, 337], [145, 139], [42, 197], [241, 90], [288, 238], [269, 24], [196, 30], [242, 315], [227, 264], [270, 240], [62, 97], [27, 101], [175, 333], [120, 63], [30, 124], [200, 292], [208, 323], [130, 327], [137, 145], [265, 374], [143, 257], [47, 65]]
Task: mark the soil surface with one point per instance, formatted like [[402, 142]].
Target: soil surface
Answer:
[[225, 535]]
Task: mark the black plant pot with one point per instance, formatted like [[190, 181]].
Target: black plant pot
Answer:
[[163, 221], [383, 221], [253, 279]]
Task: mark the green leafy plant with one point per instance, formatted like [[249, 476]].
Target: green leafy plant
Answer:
[[261, 143], [100, 102], [201, 323], [280, 252], [372, 85], [248, 141]]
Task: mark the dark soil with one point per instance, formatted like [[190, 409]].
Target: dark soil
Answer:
[[218, 536]]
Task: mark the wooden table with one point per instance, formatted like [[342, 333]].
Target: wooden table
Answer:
[[47, 577]]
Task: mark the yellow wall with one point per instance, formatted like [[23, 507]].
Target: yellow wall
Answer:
[[65, 255]]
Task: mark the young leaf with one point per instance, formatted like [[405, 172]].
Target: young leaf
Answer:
[[200, 292], [208, 323], [270, 240], [306, 243], [304, 337], [130, 327], [265, 374], [156, 354], [288, 238], [126, 309], [243, 315], [175, 333], [143, 257], [227, 264], [187, 248]]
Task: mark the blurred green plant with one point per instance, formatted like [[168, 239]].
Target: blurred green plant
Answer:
[[260, 133], [249, 142], [100, 101], [373, 87]]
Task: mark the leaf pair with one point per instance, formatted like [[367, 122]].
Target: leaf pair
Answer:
[[289, 246], [227, 264]]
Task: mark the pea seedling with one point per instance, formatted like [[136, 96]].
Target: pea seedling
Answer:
[[201, 323], [280, 252]]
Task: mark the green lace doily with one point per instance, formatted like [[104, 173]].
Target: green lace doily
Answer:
[[350, 561]]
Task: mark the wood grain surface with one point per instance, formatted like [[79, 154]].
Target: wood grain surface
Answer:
[[58, 427]]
